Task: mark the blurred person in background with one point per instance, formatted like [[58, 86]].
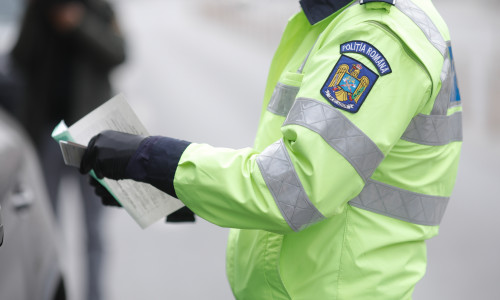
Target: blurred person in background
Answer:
[[9, 93], [354, 162], [65, 52]]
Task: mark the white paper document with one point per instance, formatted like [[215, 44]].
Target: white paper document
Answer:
[[145, 203]]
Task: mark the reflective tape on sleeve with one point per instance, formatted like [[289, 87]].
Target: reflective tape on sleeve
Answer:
[[424, 22], [434, 130], [282, 99], [340, 133], [442, 101], [287, 190], [447, 96], [400, 204]]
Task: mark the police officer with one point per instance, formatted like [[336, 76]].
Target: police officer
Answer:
[[354, 162]]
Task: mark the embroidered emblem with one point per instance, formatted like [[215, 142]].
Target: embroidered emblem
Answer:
[[348, 84], [372, 53]]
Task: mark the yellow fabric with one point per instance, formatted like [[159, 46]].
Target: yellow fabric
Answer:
[[353, 253]]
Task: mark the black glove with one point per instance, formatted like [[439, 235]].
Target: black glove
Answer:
[[184, 214], [106, 198], [109, 153]]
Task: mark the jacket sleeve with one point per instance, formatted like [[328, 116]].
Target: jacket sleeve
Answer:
[[325, 154]]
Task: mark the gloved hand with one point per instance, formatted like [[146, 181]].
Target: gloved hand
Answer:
[[109, 153], [106, 198]]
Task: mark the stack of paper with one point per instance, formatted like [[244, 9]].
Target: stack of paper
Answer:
[[142, 201]]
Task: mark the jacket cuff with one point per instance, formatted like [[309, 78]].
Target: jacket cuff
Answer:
[[155, 162]]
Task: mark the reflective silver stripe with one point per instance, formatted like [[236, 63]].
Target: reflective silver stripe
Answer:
[[401, 204], [282, 99], [417, 15], [340, 133], [434, 130], [442, 101], [284, 184], [438, 128]]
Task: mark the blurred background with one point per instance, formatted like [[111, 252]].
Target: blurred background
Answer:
[[227, 45]]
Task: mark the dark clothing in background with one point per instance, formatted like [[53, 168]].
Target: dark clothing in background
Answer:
[[66, 75], [9, 93]]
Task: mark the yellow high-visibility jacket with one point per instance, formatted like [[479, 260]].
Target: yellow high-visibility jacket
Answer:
[[354, 161]]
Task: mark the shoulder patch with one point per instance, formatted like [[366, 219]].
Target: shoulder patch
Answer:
[[349, 84], [372, 53]]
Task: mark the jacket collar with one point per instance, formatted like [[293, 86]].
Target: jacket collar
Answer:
[[318, 10]]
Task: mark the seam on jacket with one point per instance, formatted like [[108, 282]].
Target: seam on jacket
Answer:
[[269, 288], [342, 250], [279, 271]]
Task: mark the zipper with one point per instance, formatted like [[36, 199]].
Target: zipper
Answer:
[[403, 45]]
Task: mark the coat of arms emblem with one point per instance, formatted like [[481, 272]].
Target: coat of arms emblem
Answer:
[[348, 84]]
